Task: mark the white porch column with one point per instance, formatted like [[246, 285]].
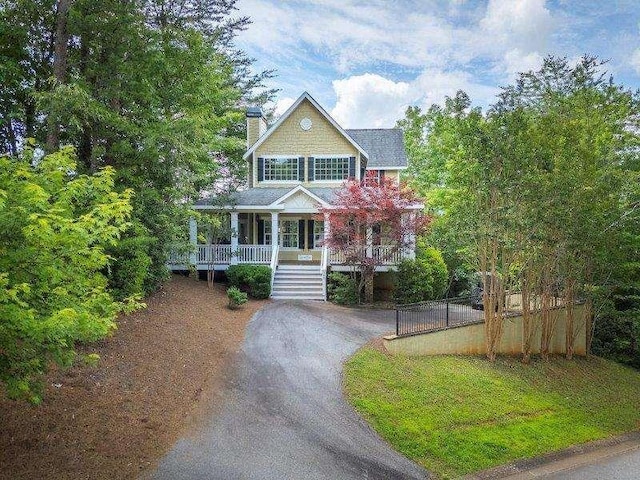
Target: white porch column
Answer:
[[275, 235], [234, 238], [193, 240], [327, 227], [369, 238], [409, 239]]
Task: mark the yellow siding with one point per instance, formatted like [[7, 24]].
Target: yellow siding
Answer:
[[392, 175], [290, 139], [253, 130]]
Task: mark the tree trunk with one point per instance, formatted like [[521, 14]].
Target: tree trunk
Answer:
[[492, 298], [85, 148], [569, 332], [528, 326], [368, 287], [60, 42], [11, 136]]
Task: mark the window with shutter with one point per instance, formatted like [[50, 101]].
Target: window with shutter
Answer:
[[289, 233], [331, 168], [310, 234], [280, 169], [261, 232], [301, 234], [310, 168], [260, 169], [318, 233]]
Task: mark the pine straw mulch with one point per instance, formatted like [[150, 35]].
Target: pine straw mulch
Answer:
[[158, 374]]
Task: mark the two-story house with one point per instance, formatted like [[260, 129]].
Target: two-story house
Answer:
[[294, 167]]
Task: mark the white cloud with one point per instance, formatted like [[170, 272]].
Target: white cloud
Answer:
[[352, 34], [435, 47], [345, 35], [521, 24], [373, 101], [282, 105], [514, 33], [516, 61], [369, 100]]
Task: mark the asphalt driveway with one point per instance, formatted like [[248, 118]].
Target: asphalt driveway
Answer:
[[284, 415]]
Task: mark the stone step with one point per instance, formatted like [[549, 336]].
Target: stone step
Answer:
[[297, 284], [297, 267], [289, 296], [297, 289], [298, 274]]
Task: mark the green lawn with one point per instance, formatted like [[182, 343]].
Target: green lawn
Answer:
[[456, 415]]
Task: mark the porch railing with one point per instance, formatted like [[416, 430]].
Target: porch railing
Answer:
[[384, 254], [336, 257], [213, 254], [176, 258], [222, 254], [254, 253]]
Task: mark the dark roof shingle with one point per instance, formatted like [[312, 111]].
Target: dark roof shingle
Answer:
[[266, 196], [385, 146]]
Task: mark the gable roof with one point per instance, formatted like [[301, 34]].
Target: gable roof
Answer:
[[269, 196], [385, 146], [285, 115], [306, 191]]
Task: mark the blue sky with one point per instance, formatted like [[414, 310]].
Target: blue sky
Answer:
[[366, 61]]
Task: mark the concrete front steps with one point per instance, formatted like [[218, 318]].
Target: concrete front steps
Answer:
[[298, 282]]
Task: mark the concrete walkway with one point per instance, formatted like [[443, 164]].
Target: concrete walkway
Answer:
[[284, 415]]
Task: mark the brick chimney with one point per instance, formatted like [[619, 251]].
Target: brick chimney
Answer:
[[256, 125]]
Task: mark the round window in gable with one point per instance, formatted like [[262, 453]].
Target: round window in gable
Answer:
[[305, 124]]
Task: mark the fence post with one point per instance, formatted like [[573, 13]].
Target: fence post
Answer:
[[397, 322], [447, 312]]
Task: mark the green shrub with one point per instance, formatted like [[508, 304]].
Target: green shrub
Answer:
[[130, 265], [236, 297], [424, 278], [617, 326], [343, 289], [253, 279]]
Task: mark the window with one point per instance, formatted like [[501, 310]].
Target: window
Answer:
[[373, 177], [280, 169], [318, 233], [331, 168], [267, 233], [289, 233]]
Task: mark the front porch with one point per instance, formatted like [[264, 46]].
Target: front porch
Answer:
[[219, 257], [249, 240]]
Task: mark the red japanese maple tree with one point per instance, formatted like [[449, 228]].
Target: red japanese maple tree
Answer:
[[373, 208]]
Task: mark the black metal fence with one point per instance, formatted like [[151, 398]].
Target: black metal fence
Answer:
[[413, 318]]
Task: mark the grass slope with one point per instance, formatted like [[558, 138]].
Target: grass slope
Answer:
[[456, 415]]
